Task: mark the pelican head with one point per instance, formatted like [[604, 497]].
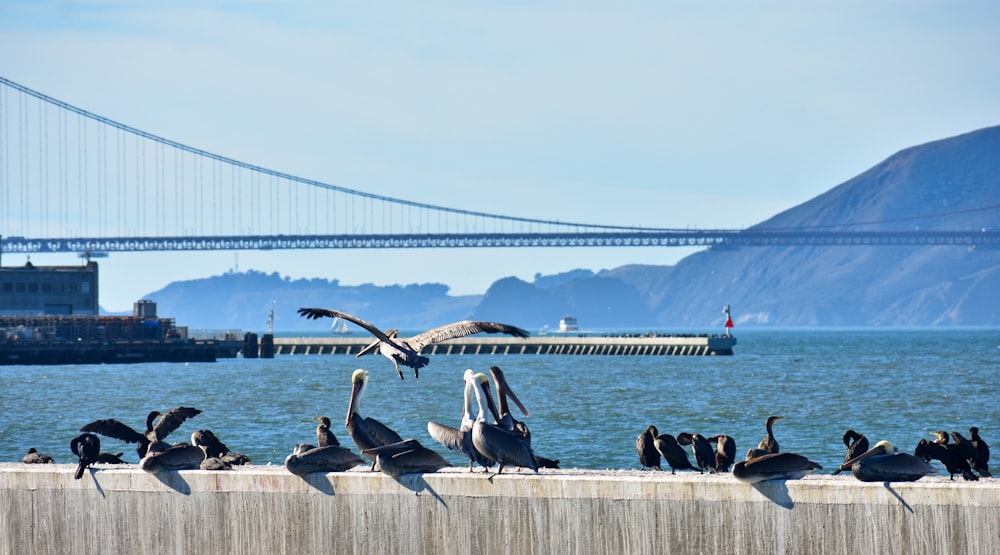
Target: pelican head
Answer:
[[359, 382]]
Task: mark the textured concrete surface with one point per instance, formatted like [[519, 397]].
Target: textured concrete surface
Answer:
[[265, 509]]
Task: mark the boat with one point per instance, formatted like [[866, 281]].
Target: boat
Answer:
[[339, 326], [568, 323]]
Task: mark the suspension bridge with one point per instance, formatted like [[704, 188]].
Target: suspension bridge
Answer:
[[72, 181]]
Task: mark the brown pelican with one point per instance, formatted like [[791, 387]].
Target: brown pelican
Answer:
[[704, 455], [856, 444], [87, 447], [774, 466], [770, 444], [214, 448], [725, 451], [406, 457], [324, 435], [506, 447], [982, 460], [460, 439], [366, 432], [308, 458], [407, 351], [154, 432], [645, 445], [674, 454], [948, 455], [507, 420], [34, 457], [180, 456], [883, 463]]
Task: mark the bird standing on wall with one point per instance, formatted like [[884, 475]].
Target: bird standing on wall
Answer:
[[884, 463], [153, 434], [406, 352], [769, 443], [87, 447], [774, 466], [645, 445], [34, 457], [981, 463], [673, 453], [856, 444], [460, 439]]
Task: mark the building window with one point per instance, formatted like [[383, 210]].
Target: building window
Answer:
[[8, 287]]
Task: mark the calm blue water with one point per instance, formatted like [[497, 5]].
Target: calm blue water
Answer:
[[586, 411]]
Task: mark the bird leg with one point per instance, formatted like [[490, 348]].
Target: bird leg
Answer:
[[398, 371]]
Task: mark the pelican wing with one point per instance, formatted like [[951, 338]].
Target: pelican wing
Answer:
[[462, 329], [317, 313], [446, 435], [329, 458], [382, 433], [172, 420], [113, 428], [507, 448], [406, 457]]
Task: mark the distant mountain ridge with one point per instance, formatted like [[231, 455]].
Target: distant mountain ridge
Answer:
[[952, 179]]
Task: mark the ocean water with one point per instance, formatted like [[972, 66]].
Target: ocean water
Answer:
[[585, 411]]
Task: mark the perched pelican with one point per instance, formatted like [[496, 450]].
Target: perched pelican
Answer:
[[774, 466], [308, 458], [507, 420], [407, 351], [87, 447], [883, 463], [180, 456], [406, 457], [674, 454], [506, 447], [324, 435], [214, 448], [725, 451], [704, 455], [366, 432], [948, 455], [154, 433], [856, 444], [982, 460], [770, 444], [34, 457], [645, 445], [460, 439]]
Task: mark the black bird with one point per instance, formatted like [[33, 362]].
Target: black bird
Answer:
[[965, 449], [214, 448], [856, 444], [982, 461], [645, 445], [366, 432], [110, 458], [725, 451], [34, 457], [704, 455], [673, 453], [154, 433], [324, 435], [884, 463], [407, 351], [948, 455], [87, 447], [770, 444]]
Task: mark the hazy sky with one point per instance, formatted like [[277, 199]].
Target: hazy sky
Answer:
[[661, 114]]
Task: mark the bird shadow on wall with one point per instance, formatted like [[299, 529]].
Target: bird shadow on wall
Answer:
[[888, 487], [417, 484], [174, 481], [776, 491], [319, 482], [97, 484]]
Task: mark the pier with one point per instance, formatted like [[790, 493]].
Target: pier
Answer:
[[266, 509], [679, 345]]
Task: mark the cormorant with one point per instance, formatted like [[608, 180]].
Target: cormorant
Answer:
[[770, 444], [856, 444], [154, 433], [645, 445], [982, 460], [673, 453], [324, 435], [87, 447], [725, 451], [34, 457]]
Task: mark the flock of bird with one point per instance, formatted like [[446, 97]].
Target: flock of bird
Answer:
[[489, 435], [881, 463]]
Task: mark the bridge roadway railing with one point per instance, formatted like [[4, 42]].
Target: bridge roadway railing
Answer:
[[632, 238], [266, 509]]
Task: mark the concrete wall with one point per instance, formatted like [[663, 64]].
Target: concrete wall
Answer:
[[268, 510]]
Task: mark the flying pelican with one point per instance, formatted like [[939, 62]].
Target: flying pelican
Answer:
[[704, 456], [770, 444], [406, 457], [306, 458], [645, 445], [179, 456], [34, 457], [774, 466], [883, 463], [982, 461], [460, 439], [366, 432], [948, 455], [324, 435], [87, 447], [154, 433], [856, 444], [725, 451], [506, 447], [407, 351], [674, 454]]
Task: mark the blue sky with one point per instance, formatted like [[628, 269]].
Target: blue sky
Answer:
[[661, 114]]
